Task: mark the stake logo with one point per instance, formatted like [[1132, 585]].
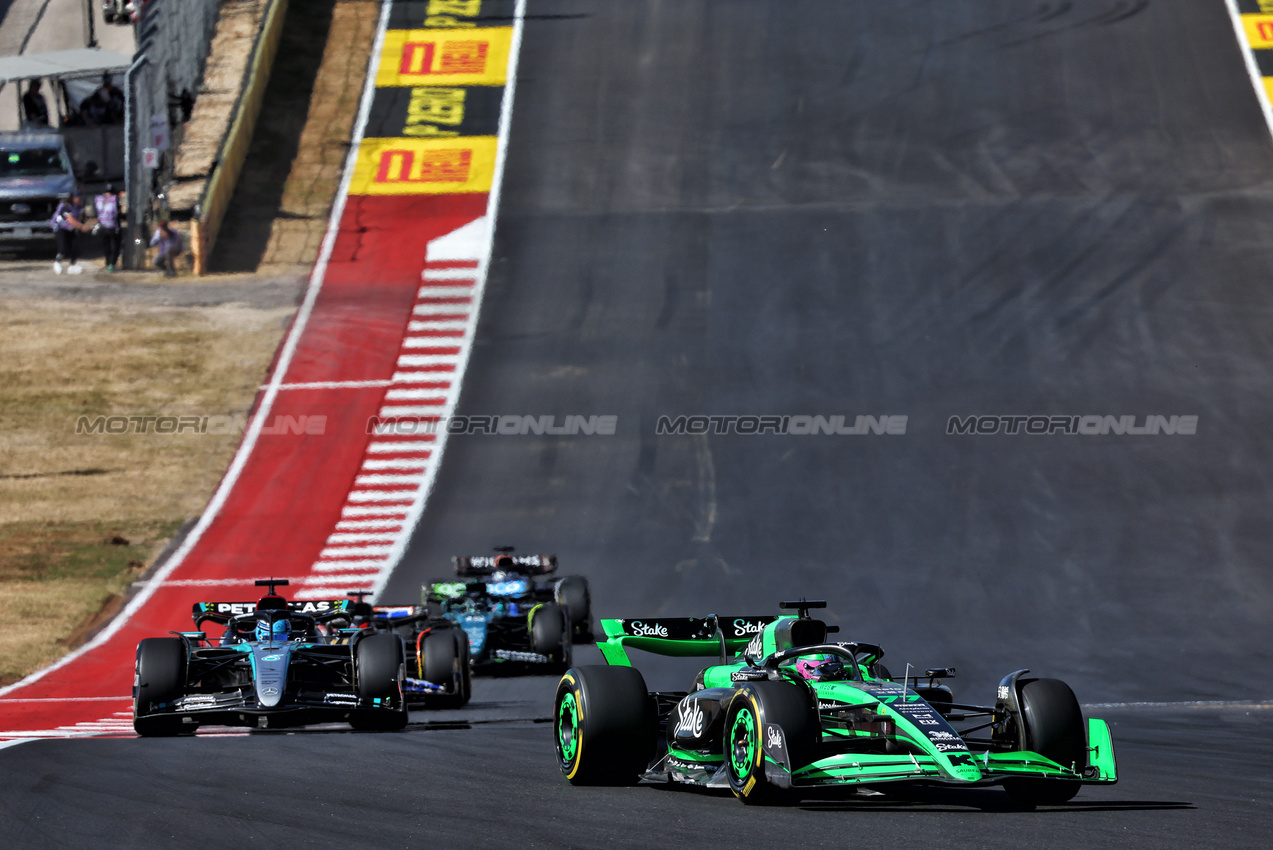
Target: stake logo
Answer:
[[690, 721]]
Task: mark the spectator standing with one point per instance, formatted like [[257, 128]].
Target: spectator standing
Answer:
[[68, 221], [34, 107], [167, 241], [107, 207], [104, 106]]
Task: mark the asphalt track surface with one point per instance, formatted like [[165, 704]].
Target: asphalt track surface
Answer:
[[491, 784], [907, 208], [914, 208]]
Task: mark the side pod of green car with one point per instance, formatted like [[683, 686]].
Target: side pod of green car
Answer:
[[784, 709]]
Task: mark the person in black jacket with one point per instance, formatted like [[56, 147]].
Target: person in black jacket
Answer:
[[104, 106], [34, 108]]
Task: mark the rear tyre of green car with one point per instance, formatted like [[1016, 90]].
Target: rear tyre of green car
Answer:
[[603, 725], [1054, 727]]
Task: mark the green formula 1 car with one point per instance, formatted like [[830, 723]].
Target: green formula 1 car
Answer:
[[795, 712]]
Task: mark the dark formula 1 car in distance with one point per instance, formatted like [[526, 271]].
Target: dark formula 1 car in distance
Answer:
[[277, 664], [439, 672], [795, 712], [517, 615]]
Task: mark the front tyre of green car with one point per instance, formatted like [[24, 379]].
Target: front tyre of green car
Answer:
[[603, 725], [784, 704], [744, 753], [1054, 727]]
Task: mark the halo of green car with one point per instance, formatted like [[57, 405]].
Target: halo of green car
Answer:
[[785, 711]]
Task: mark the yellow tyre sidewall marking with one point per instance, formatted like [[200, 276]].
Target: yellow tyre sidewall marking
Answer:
[[754, 707], [574, 686]]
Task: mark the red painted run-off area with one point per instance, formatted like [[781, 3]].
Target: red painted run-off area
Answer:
[[290, 493]]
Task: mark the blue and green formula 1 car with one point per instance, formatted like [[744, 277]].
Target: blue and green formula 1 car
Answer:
[[518, 616], [794, 712]]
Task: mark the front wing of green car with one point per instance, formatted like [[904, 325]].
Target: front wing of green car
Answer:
[[956, 768]]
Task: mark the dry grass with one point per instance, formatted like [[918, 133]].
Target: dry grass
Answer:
[[55, 577], [63, 495], [60, 361]]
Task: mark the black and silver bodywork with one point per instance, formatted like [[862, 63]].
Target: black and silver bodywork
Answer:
[[277, 664]]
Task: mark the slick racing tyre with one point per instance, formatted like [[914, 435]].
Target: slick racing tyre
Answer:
[[572, 594], [1054, 728], [756, 706], [465, 672], [604, 725], [159, 679], [444, 661], [378, 668], [550, 633]]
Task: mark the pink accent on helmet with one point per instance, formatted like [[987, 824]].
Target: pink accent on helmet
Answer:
[[808, 669]]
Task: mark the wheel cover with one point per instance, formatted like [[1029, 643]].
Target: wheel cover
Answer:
[[568, 728], [742, 743]]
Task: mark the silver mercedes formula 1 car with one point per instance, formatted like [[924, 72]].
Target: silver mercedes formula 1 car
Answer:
[[278, 663]]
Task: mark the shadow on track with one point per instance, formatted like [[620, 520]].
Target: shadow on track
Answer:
[[987, 801]]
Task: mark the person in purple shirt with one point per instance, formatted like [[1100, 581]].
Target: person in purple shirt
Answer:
[[107, 207], [68, 221], [167, 242]]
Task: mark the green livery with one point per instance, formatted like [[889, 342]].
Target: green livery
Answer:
[[784, 709]]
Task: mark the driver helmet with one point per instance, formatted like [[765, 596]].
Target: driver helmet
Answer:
[[274, 630], [821, 668]]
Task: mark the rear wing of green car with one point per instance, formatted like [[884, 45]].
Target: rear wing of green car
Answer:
[[679, 637]]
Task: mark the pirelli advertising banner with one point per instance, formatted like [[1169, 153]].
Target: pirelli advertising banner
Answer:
[[434, 120]]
